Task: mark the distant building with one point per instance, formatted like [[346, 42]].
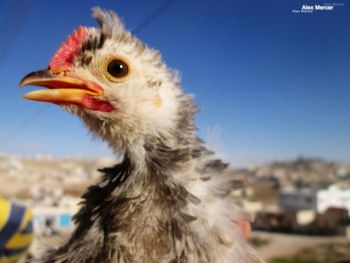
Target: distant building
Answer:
[[299, 205], [318, 200], [51, 220], [297, 199], [333, 221], [304, 217], [333, 196], [252, 207]]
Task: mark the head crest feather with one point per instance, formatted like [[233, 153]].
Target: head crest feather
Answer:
[[108, 21]]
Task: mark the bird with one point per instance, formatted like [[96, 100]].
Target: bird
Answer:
[[167, 199]]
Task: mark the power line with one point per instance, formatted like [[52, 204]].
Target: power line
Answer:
[[13, 21], [24, 123], [159, 11], [148, 20]]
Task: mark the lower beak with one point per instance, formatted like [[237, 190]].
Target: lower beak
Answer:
[[62, 89]]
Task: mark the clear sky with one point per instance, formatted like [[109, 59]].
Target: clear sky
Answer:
[[275, 84]]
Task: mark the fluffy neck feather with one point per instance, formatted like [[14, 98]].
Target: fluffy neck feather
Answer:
[[141, 210], [161, 204], [139, 202]]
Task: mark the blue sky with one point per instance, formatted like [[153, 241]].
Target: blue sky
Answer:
[[275, 84]]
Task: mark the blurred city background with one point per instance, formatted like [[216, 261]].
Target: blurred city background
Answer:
[[273, 86]]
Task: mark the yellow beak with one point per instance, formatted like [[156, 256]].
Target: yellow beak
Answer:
[[63, 89]]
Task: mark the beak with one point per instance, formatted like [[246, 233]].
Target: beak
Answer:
[[65, 89], [62, 88]]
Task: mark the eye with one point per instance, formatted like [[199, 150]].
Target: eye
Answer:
[[117, 69]]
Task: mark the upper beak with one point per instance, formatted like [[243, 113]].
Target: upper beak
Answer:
[[62, 88]]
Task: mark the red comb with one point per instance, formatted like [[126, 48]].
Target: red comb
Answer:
[[64, 56]]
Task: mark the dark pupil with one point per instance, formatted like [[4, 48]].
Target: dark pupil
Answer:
[[117, 68]]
